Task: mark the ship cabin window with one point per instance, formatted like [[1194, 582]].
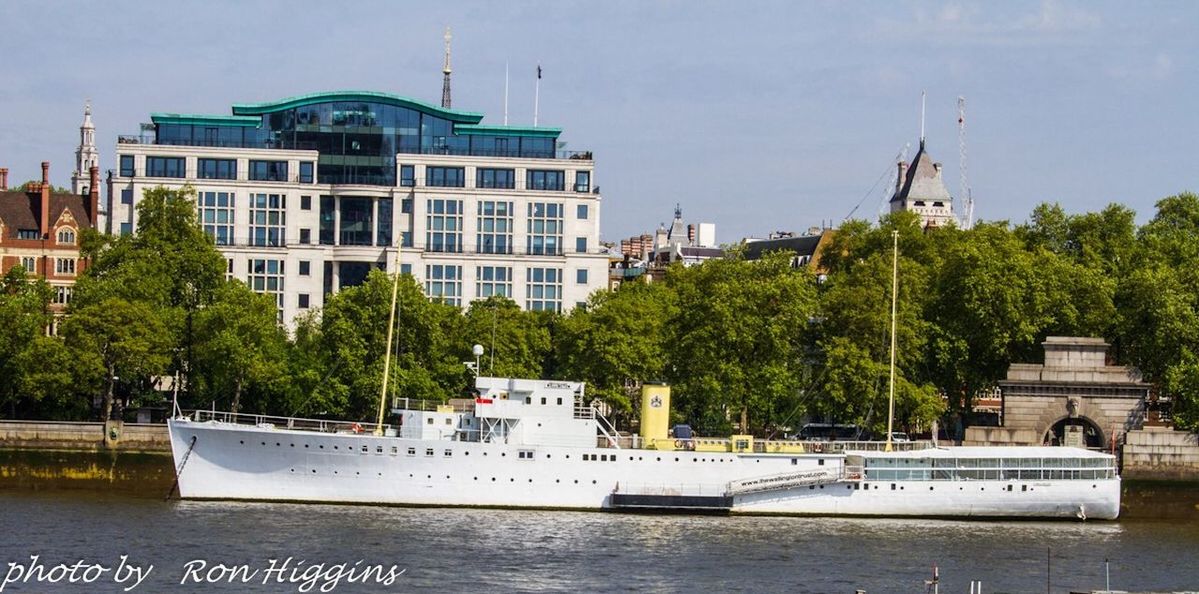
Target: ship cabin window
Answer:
[[411, 451], [449, 453], [543, 400], [428, 451], [528, 400], [378, 449], [365, 449], [394, 450], [525, 455], [559, 402], [820, 462], [429, 421], [795, 461], [449, 421]]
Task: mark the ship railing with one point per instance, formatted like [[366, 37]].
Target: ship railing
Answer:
[[672, 489], [426, 405], [872, 446], [289, 423]]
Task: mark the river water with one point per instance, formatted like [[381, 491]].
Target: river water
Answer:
[[504, 550]]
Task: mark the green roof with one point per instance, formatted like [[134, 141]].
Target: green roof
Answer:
[[479, 129], [251, 109], [206, 120]]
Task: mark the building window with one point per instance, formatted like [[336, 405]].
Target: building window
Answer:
[[28, 234], [406, 206], [305, 202], [228, 269], [303, 302], [540, 179], [66, 236], [407, 176], [545, 228], [581, 212], [268, 219], [64, 266], [328, 230], [305, 268], [62, 295], [218, 169], [268, 170], [544, 289], [29, 263], [126, 195], [126, 228], [581, 245], [165, 167], [216, 216], [126, 165], [493, 281], [582, 181], [266, 276], [383, 227], [406, 269], [356, 221], [406, 238], [444, 225], [495, 178], [444, 283], [495, 227], [581, 276], [305, 172], [445, 177], [305, 236]]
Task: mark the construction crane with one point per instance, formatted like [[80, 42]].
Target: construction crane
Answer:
[[967, 220]]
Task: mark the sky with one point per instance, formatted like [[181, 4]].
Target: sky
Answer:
[[757, 116]]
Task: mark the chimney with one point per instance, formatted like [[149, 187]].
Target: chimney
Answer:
[[3, 179], [903, 170], [93, 197], [691, 234], [45, 224]]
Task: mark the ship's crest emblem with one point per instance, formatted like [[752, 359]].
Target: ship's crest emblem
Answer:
[[656, 402]]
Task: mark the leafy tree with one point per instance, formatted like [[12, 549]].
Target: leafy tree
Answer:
[[239, 346], [515, 344], [24, 316], [116, 338], [737, 341], [617, 342]]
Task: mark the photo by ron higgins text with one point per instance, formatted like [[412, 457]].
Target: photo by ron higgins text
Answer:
[[127, 575]]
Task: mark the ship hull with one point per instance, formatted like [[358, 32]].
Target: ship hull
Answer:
[[240, 462]]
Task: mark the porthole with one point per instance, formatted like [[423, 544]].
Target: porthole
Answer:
[[576, 481], [277, 444], [293, 470], [243, 442], [593, 481], [313, 471], [305, 445], [264, 443], [293, 445]]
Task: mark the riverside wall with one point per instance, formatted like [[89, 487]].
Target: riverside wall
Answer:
[[62, 435], [1160, 453]]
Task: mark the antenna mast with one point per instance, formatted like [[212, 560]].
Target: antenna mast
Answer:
[[922, 95], [967, 197], [445, 85]]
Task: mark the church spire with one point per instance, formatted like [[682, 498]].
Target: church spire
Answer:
[[445, 85], [86, 155]]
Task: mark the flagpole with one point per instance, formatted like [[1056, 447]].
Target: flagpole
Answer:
[[537, 96], [505, 93]]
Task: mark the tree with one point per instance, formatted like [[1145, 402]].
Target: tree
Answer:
[[617, 342], [736, 341], [515, 344], [116, 338], [239, 345], [24, 316]]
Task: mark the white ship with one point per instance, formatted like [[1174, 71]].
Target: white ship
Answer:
[[535, 444], [538, 444]]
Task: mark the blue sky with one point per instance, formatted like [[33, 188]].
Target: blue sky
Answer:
[[757, 116]]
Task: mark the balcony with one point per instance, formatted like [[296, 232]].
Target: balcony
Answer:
[[283, 144]]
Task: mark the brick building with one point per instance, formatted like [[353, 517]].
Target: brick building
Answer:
[[40, 231]]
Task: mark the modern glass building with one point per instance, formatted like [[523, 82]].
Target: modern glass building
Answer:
[[305, 195]]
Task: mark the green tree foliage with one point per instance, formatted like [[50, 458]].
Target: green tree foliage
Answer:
[[617, 342], [24, 315], [513, 346], [737, 344], [240, 347]]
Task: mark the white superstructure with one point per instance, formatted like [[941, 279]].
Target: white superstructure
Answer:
[[525, 443]]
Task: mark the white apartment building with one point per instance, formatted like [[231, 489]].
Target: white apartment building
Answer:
[[305, 195]]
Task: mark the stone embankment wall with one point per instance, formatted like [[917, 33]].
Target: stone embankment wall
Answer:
[[59, 435], [1162, 454], [43, 455]]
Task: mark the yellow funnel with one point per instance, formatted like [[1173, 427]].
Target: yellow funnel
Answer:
[[655, 412]]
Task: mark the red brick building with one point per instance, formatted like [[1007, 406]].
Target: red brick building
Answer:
[[40, 230]]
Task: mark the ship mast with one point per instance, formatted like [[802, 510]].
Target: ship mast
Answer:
[[894, 301], [391, 317]]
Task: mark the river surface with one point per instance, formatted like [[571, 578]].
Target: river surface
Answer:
[[480, 550]]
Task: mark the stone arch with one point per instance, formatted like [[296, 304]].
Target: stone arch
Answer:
[[1093, 431]]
